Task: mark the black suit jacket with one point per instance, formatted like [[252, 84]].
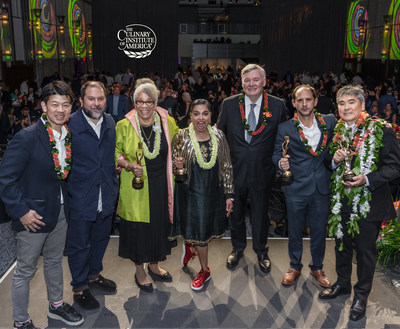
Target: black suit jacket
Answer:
[[28, 179], [252, 163], [388, 169]]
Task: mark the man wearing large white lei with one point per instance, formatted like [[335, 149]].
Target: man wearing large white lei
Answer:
[[359, 206]]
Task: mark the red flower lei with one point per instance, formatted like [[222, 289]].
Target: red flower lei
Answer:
[[305, 140], [61, 174], [266, 114], [355, 145]]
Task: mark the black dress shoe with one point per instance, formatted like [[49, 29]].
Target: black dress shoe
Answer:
[[233, 259], [104, 284], [144, 287], [265, 263], [165, 277], [334, 291], [357, 310], [86, 300]]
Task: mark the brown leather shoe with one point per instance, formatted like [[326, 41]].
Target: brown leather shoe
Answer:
[[322, 279], [290, 276]]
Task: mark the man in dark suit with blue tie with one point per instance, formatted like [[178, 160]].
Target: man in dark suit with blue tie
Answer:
[[32, 187], [307, 197], [117, 104], [250, 122]]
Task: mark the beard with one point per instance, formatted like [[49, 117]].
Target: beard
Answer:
[[93, 115]]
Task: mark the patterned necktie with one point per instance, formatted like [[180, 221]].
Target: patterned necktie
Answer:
[[252, 122]]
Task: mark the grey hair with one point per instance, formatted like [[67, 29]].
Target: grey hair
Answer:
[[149, 89], [251, 67], [351, 90]]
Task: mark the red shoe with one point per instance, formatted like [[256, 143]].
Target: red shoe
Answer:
[[201, 279], [187, 254]]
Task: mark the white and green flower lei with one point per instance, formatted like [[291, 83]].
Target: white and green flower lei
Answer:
[[199, 156], [365, 162], [157, 141]]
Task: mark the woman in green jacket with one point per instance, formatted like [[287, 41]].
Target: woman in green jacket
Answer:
[[146, 213]]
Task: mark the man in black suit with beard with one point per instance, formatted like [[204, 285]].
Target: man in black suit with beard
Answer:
[[250, 122], [365, 137]]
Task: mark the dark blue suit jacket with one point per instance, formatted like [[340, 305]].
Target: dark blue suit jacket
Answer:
[[28, 179], [309, 171], [123, 106], [92, 166]]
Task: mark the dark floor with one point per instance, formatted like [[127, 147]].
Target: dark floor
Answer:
[[243, 298]]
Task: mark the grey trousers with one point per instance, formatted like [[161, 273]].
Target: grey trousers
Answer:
[[29, 247]]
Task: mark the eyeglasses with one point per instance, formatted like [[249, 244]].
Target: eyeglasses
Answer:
[[148, 103]]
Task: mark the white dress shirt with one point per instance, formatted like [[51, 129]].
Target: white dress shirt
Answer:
[[97, 129], [257, 109], [313, 134], [60, 146]]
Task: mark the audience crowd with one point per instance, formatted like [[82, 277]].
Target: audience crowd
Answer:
[[20, 107]]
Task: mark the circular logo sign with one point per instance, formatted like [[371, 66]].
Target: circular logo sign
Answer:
[[137, 40]]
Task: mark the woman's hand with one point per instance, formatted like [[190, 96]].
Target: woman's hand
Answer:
[[135, 168], [178, 162], [229, 207]]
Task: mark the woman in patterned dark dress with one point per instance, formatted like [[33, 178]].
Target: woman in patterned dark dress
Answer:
[[205, 200], [146, 213]]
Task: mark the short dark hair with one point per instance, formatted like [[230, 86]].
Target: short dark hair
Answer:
[[308, 87], [57, 87], [93, 84], [200, 101]]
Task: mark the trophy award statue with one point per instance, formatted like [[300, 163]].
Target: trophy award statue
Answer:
[[348, 174], [137, 182], [287, 175], [180, 174]]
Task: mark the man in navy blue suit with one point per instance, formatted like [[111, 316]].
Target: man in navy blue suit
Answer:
[[92, 190], [117, 104], [307, 198], [32, 187]]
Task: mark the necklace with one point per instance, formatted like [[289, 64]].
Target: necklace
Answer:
[[366, 157], [266, 114], [62, 173], [145, 136], [196, 146], [157, 141], [305, 140]]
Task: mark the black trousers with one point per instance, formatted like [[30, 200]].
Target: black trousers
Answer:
[[365, 246], [259, 219]]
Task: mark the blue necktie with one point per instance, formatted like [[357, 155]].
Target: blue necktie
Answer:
[[252, 122]]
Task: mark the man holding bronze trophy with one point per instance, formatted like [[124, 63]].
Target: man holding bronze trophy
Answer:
[[300, 148], [250, 122], [360, 200]]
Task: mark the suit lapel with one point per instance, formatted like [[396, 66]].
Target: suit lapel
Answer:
[[44, 138]]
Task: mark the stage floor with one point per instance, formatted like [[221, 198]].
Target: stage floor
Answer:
[[243, 298]]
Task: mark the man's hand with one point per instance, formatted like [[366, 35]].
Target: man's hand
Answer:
[[32, 221], [284, 162], [339, 156], [357, 181]]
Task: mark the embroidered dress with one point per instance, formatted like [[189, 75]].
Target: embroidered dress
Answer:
[[199, 204]]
